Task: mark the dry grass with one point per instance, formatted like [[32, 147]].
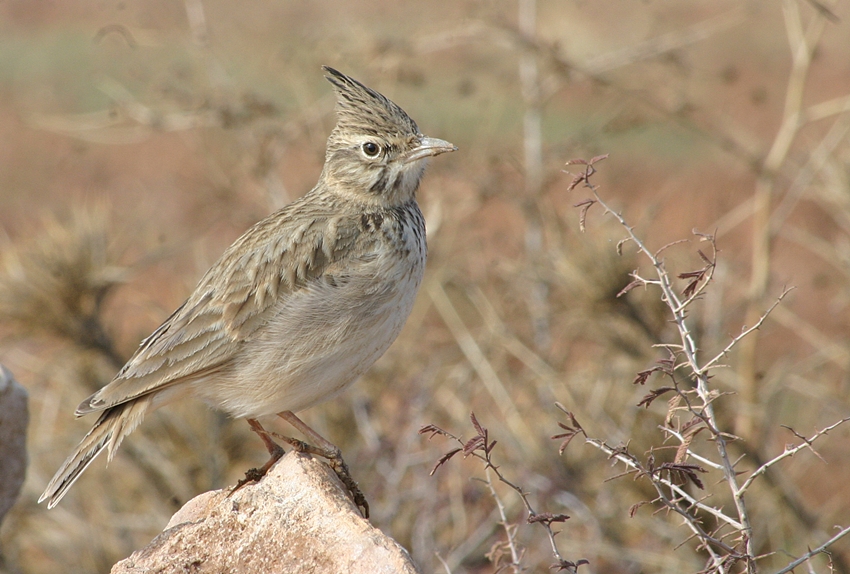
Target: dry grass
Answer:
[[194, 127]]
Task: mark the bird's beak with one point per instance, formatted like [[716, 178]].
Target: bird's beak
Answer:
[[428, 147]]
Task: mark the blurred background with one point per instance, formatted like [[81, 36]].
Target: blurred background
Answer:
[[139, 139]]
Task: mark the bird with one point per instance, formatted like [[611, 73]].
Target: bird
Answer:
[[299, 306]]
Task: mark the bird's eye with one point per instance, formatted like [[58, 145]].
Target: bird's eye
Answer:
[[371, 149]]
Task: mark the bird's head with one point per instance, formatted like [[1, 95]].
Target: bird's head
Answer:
[[376, 152]]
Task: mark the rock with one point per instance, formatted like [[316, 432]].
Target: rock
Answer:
[[298, 519], [14, 417]]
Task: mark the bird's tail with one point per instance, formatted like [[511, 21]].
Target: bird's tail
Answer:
[[110, 429]]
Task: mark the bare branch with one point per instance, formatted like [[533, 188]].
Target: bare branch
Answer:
[[789, 452], [748, 330], [811, 553]]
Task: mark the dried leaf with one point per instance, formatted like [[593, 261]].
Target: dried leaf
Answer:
[[642, 376], [692, 427], [647, 400], [682, 451], [568, 437], [586, 174], [481, 430], [634, 508], [573, 429], [574, 422], [575, 181], [682, 472], [473, 444], [585, 207], [444, 459], [672, 404], [434, 430], [629, 287], [666, 365], [691, 274], [690, 288]]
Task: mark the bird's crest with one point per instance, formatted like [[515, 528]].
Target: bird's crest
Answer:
[[362, 109]]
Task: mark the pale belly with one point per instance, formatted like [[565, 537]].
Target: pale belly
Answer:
[[319, 341]]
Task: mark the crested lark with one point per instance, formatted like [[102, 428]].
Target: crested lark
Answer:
[[298, 307]]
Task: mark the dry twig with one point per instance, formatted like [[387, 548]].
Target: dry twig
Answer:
[[481, 447]]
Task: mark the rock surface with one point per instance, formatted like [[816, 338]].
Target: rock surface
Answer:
[[14, 417], [298, 519]]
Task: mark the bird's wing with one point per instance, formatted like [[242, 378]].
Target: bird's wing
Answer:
[[274, 259]]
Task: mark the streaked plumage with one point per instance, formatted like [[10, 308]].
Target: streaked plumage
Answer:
[[301, 304]]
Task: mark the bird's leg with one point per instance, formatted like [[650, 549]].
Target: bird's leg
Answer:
[[325, 449], [275, 452]]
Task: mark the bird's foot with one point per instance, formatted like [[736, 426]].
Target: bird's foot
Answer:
[[275, 453], [334, 457]]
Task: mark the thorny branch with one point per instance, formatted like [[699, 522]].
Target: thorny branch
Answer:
[[789, 452], [747, 330], [683, 362], [681, 502], [811, 553], [481, 447], [697, 372]]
